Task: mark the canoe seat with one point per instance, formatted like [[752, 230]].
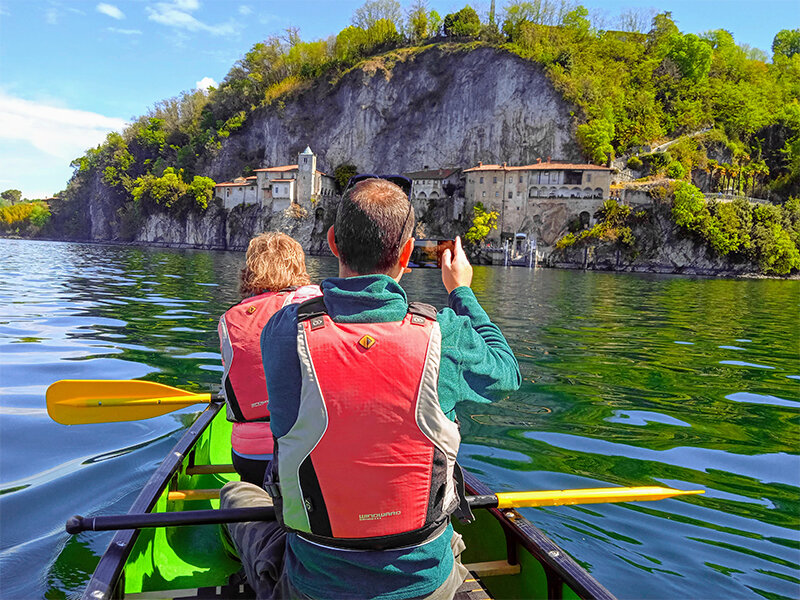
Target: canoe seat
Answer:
[[472, 589]]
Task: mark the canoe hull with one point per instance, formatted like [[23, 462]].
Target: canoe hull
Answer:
[[514, 559]]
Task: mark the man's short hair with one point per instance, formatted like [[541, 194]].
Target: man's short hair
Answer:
[[374, 219]]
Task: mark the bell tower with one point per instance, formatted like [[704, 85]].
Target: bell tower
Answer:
[[306, 171]]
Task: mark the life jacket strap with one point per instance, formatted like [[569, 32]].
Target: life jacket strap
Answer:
[[462, 512], [315, 308], [418, 537]]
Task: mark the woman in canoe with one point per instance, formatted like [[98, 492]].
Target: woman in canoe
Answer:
[[274, 275]]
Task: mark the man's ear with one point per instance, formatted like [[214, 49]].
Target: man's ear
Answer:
[[405, 253], [332, 242]]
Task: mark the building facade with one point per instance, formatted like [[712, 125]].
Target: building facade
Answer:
[[437, 185], [276, 188], [540, 199]]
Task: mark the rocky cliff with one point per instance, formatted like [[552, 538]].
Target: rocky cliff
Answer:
[[411, 109], [439, 106], [660, 247]]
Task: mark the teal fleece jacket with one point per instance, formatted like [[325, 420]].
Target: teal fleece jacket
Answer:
[[476, 363]]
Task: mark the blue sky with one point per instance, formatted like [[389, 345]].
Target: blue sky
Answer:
[[73, 70]]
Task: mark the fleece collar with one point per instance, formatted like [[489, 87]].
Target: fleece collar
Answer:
[[364, 299]]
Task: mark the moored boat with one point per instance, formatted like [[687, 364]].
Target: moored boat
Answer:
[[507, 555]]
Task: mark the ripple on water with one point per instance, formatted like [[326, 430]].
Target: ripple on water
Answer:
[[774, 467], [640, 417], [623, 387], [741, 363]]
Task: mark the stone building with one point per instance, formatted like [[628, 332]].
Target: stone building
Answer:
[[540, 199], [242, 190], [276, 188], [436, 186]]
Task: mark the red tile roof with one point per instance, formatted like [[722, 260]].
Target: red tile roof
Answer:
[[276, 169], [285, 168], [432, 174], [232, 184], [282, 180], [542, 166]]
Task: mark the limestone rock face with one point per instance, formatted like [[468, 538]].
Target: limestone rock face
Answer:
[[661, 247], [437, 107], [433, 108], [195, 230]]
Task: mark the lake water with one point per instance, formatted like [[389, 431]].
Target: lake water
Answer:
[[629, 380]]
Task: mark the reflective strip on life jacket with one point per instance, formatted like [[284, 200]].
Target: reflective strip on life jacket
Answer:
[[369, 461]]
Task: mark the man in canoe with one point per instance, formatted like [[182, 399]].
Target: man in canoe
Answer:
[[362, 392]]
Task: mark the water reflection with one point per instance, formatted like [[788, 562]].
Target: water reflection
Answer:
[[628, 380]]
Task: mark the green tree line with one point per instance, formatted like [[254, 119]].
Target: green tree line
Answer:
[[633, 83]]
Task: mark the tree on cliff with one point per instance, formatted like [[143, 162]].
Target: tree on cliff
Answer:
[[786, 42], [376, 10], [462, 23], [171, 192], [342, 175], [482, 224], [595, 139], [11, 196], [418, 27]]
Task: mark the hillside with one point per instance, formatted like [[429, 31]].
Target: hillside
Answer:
[[393, 95]]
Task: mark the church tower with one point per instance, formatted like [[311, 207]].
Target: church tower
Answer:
[[306, 172]]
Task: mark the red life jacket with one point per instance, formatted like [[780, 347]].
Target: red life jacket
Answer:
[[369, 461], [244, 384]]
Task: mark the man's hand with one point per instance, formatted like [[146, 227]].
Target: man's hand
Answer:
[[456, 270]]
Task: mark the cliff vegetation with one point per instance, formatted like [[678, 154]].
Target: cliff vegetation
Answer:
[[633, 84], [727, 236]]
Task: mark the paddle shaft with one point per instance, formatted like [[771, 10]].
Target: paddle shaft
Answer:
[[166, 401], [502, 500], [78, 523]]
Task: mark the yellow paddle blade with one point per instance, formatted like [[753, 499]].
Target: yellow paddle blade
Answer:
[[587, 496], [78, 401]]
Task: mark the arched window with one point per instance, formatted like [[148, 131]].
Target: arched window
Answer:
[[598, 193]]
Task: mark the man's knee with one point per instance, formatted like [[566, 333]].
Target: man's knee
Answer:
[[239, 494]]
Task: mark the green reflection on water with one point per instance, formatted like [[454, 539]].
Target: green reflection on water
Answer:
[[629, 380]]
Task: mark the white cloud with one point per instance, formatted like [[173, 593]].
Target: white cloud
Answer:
[[176, 14], [62, 133], [205, 83], [51, 16], [110, 10], [245, 10], [39, 139], [124, 31]]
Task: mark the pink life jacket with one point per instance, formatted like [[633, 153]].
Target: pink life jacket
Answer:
[[369, 461], [243, 380]]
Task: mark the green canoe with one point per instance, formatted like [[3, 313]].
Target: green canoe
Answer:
[[508, 556]]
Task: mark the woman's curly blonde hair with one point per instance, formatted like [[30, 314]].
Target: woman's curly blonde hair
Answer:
[[274, 261]]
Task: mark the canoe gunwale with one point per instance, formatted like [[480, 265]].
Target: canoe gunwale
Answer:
[[558, 565], [108, 570]]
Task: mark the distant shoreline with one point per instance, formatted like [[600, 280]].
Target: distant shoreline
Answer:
[[654, 269]]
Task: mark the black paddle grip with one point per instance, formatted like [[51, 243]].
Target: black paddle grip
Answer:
[[78, 523]]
